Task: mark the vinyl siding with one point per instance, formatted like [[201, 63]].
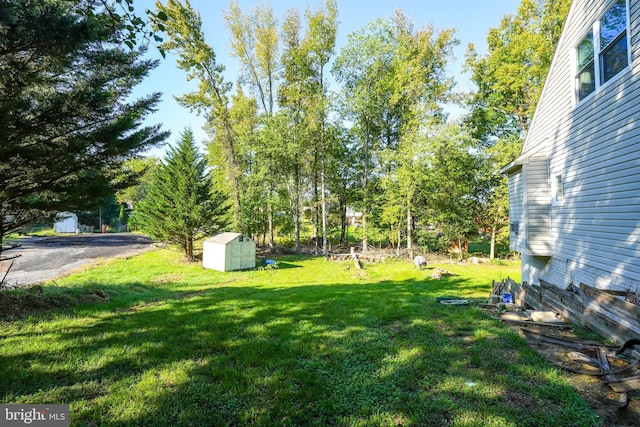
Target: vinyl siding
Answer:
[[538, 219], [516, 211], [595, 147]]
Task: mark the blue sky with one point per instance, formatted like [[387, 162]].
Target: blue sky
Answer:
[[471, 19]]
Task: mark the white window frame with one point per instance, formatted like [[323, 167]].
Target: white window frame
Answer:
[[557, 190], [597, 66]]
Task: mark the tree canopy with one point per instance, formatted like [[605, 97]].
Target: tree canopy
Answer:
[[66, 120], [284, 143], [290, 152], [510, 76]]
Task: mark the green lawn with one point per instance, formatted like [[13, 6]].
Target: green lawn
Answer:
[[312, 343]]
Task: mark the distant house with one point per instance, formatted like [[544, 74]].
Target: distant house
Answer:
[[66, 222], [353, 217], [575, 189], [229, 252]]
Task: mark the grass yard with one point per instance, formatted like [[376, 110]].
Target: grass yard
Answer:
[[312, 343]]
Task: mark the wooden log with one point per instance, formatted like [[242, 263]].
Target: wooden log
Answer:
[[567, 304], [543, 316], [498, 287], [621, 385], [610, 316], [623, 319], [602, 322], [533, 296], [604, 297], [622, 397], [615, 292], [515, 315], [530, 323], [585, 359]]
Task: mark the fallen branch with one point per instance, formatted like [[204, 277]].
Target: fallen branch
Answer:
[[7, 272], [439, 272]]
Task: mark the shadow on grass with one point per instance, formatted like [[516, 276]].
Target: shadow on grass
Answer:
[[285, 265], [382, 353]]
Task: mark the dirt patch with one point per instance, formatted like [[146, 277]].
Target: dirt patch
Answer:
[[18, 305], [592, 388]]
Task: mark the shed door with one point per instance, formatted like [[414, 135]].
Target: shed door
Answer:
[[236, 255]]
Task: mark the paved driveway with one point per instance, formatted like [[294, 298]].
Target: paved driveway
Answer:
[[46, 258]]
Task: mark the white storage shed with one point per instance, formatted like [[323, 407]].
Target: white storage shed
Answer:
[[229, 252], [66, 222]]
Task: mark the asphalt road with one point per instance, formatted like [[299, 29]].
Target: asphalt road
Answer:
[[47, 258]]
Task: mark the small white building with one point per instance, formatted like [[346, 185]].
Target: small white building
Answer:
[[229, 252], [66, 222]]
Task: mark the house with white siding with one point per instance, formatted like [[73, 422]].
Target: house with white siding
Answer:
[[575, 189]]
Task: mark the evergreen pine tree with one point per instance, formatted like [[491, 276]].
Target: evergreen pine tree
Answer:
[[66, 119], [181, 204]]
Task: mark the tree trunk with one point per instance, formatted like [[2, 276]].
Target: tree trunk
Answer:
[[323, 195], [272, 243], [230, 149], [323, 156], [365, 185], [365, 242], [1, 235], [270, 225], [314, 208], [189, 247], [296, 217], [492, 253], [343, 221], [409, 232]]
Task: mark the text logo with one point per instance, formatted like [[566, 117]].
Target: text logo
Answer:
[[34, 415]]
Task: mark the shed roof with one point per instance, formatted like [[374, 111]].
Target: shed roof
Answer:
[[61, 216], [223, 237]]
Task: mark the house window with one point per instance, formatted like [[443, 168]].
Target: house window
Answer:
[[604, 48], [586, 67], [557, 189], [613, 41]]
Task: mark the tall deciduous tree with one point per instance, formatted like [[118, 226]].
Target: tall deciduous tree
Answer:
[[181, 204], [66, 124], [509, 78], [319, 43], [183, 28], [396, 83], [293, 97], [255, 42], [451, 185]]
